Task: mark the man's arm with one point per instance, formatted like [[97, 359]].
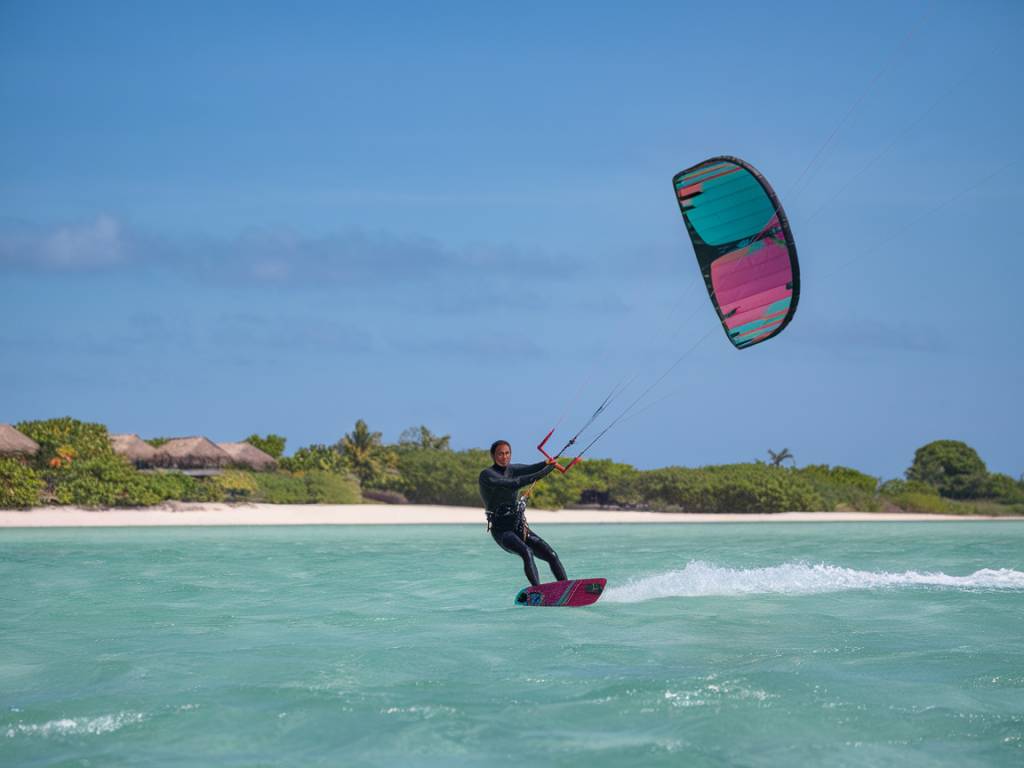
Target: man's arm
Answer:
[[526, 469], [492, 479]]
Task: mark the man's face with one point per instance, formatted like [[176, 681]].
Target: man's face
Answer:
[[502, 455]]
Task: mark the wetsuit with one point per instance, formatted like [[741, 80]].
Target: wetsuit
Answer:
[[506, 515]]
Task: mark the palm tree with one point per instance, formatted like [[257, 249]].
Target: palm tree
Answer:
[[781, 456], [422, 437], [363, 452]]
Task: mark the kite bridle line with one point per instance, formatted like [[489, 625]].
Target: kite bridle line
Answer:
[[642, 395], [618, 389], [604, 405], [622, 385]]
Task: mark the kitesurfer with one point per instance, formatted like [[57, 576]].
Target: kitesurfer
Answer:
[[506, 510]]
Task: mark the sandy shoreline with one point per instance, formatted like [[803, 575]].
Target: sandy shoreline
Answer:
[[379, 514]]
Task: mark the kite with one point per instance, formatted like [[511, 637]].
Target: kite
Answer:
[[744, 247]]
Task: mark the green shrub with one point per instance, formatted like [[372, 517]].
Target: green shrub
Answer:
[[100, 482], [280, 488], [431, 476], [19, 485], [236, 485], [995, 494], [317, 456], [842, 488], [914, 501], [599, 480], [983, 507], [893, 488], [180, 487], [312, 487], [951, 466], [272, 445], [112, 481], [604, 476], [741, 488], [1014, 509], [555, 491], [966, 487], [68, 438], [840, 476], [1003, 488], [331, 488]]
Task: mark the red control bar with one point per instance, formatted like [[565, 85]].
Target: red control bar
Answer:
[[554, 459]]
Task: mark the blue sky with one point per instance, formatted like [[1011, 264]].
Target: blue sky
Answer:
[[231, 218]]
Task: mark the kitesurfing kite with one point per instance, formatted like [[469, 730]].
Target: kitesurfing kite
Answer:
[[746, 254], [744, 247]]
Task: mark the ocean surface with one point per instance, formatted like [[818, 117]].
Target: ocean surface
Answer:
[[749, 644]]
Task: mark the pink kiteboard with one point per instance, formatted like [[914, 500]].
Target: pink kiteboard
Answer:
[[573, 592]]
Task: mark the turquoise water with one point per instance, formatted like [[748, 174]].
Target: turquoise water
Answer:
[[863, 644]]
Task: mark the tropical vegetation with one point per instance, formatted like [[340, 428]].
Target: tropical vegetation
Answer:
[[75, 465]]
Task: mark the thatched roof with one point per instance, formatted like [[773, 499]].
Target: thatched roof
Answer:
[[191, 453], [133, 448], [248, 455], [13, 443]]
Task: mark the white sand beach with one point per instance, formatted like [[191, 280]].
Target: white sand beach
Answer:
[[407, 514]]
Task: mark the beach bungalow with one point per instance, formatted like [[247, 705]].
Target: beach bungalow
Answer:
[[133, 448], [13, 443], [249, 456], [195, 456]]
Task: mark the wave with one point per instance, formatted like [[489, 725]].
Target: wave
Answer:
[[700, 579], [92, 726]]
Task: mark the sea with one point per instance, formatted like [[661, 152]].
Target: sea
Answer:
[[724, 644]]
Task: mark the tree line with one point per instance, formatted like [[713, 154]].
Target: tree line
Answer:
[[76, 466]]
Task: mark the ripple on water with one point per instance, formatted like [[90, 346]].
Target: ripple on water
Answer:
[[87, 726]]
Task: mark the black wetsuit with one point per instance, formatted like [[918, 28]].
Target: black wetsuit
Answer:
[[506, 515]]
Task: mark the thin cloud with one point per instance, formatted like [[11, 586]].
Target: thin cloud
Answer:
[[100, 244], [281, 257], [404, 274]]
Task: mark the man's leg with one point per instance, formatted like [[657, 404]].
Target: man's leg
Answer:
[[511, 542], [544, 551]]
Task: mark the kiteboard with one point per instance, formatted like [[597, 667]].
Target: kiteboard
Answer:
[[573, 592]]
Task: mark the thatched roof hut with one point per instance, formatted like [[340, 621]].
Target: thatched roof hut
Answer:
[[191, 453], [248, 455], [133, 448], [13, 443]]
